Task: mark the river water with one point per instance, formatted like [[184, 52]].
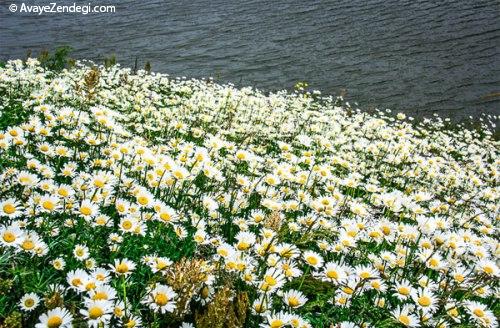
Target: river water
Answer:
[[419, 57]]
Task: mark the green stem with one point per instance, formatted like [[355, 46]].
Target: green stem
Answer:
[[124, 287], [304, 277]]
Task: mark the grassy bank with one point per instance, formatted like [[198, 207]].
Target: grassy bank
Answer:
[[137, 199]]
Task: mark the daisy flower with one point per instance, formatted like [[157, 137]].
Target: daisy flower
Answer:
[[29, 302], [10, 235], [81, 252], [245, 240], [123, 267], [49, 204], [366, 272], [101, 275], [88, 209], [276, 320], [271, 281], [58, 263], [166, 214], [103, 292], [294, 298], [158, 264], [488, 267], [403, 289], [132, 321], [10, 208], [313, 259], [480, 314], [425, 300], [160, 299], [55, 318], [402, 316], [144, 198], [333, 272], [97, 312], [27, 179], [76, 279], [260, 305]]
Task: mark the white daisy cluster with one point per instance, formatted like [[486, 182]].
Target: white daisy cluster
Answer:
[[322, 215]]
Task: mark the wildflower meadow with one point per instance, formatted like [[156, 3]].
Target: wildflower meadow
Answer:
[[136, 199]]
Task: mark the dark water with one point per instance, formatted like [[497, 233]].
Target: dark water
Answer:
[[418, 57]]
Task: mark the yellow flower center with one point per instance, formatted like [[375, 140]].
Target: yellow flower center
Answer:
[[29, 302], [118, 312], [165, 217], [488, 269], [270, 280], [276, 323], [122, 268], [478, 313], [127, 225], [48, 205], [91, 285], [9, 208], [85, 210], [28, 245], [100, 296], [242, 246], [453, 312], [143, 200], [76, 282], [404, 319], [332, 274], [99, 183], [160, 265], [312, 260], [424, 301], [293, 301], [365, 275], [95, 312], [9, 237], [346, 242], [54, 321], [404, 291], [161, 299], [259, 308], [433, 262]]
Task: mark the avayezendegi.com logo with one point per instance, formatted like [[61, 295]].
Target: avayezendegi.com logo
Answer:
[[55, 8]]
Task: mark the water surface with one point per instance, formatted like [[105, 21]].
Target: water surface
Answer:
[[419, 57]]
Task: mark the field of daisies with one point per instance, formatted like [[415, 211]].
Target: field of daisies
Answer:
[[133, 199]]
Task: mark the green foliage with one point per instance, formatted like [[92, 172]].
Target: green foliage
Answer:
[[58, 60]]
